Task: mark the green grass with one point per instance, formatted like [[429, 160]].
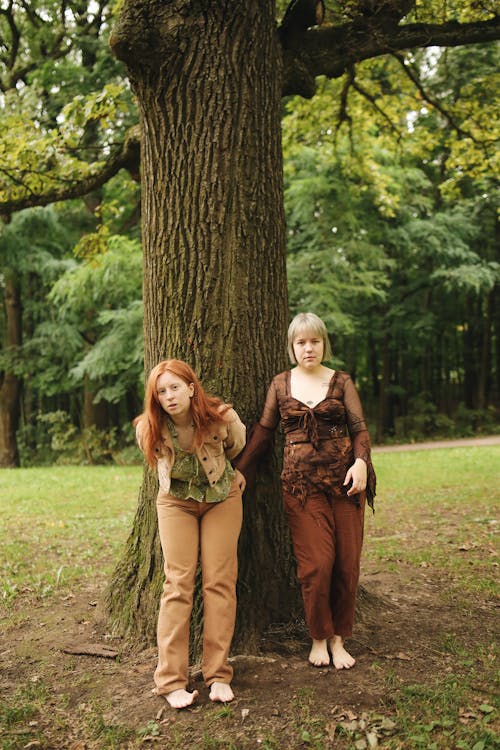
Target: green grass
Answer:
[[62, 525], [429, 717], [436, 510], [439, 508]]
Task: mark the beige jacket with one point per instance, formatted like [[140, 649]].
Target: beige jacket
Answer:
[[223, 439]]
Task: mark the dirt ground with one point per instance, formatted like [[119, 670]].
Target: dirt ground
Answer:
[[278, 695], [91, 691]]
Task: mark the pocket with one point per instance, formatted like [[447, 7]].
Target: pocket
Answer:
[[214, 446]]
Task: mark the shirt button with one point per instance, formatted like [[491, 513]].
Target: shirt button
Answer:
[[204, 458]]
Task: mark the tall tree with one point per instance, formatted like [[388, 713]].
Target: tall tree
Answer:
[[214, 264], [209, 79]]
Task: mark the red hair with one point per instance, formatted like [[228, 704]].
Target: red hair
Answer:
[[204, 408]]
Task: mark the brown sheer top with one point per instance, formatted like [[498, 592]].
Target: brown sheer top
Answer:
[[321, 443]]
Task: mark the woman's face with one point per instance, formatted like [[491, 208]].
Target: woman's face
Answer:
[[308, 348], [174, 395]]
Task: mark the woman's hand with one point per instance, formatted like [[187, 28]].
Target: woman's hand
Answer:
[[241, 481], [357, 473]]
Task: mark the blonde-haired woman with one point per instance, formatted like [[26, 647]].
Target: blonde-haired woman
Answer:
[[190, 437], [327, 474]]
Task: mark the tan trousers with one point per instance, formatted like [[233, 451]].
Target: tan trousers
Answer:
[[190, 530]]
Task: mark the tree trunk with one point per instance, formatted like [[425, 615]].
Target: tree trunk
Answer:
[[469, 356], [384, 385], [93, 415], [494, 396], [484, 362], [10, 384], [208, 81]]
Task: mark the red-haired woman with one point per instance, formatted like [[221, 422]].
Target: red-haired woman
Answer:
[[191, 437]]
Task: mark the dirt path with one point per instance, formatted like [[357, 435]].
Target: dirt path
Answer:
[[430, 445]]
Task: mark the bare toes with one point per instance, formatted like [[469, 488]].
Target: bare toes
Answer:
[[221, 692], [181, 698]]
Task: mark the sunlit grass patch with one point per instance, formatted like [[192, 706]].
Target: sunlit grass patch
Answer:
[[62, 525], [438, 508]]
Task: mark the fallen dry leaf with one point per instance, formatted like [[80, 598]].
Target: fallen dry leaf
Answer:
[[387, 724], [467, 714]]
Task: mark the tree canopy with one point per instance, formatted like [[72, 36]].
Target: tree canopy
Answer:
[[58, 80]]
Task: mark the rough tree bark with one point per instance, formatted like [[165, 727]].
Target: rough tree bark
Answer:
[[208, 81]]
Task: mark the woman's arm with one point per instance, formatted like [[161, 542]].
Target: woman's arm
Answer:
[[361, 473], [260, 438], [236, 434]]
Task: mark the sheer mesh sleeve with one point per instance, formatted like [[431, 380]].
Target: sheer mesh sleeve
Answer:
[[270, 413], [360, 436], [260, 438]]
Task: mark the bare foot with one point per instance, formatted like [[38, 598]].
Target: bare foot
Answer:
[[341, 658], [221, 692], [181, 698], [319, 656]]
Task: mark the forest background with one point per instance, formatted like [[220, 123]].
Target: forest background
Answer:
[[391, 198], [391, 195]]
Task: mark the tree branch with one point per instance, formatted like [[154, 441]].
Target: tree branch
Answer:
[[433, 102], [35, 19], [331, 50], [128, 158], [16, 36], [344, 115], [371, 99]]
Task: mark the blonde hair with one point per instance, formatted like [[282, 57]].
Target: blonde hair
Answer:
[[308, 321]]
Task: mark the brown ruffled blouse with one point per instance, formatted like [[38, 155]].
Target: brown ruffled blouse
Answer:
[[321, 442]]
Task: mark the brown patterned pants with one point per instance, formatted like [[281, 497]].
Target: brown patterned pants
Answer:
[[327, 537]]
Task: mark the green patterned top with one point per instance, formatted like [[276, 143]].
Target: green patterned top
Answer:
[[188, 480]]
